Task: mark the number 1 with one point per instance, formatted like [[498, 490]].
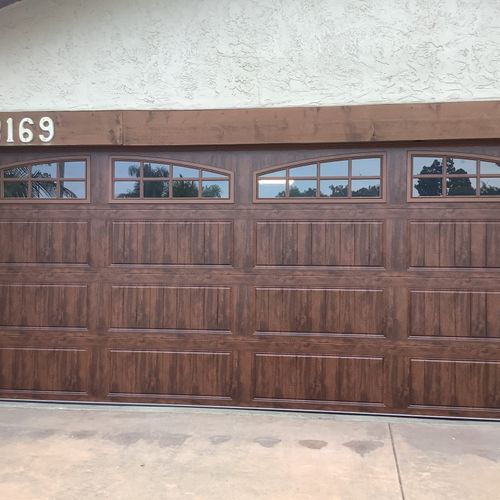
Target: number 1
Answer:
[[10, 130]]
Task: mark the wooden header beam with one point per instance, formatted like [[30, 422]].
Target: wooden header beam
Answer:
[[299, 125]]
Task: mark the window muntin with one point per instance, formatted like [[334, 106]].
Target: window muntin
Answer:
[[47, 180], [450, 176], [167, 181], [333, 179]]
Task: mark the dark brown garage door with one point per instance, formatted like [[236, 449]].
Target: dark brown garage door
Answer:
[[334, 279]]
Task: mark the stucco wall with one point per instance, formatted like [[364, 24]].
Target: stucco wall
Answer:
[[178, 54]]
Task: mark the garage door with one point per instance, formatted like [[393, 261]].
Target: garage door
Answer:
[[331, 279]]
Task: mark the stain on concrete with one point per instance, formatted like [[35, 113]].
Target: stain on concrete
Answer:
[[452, 441], [82, 434], [124, 438], [267, 442], [490, 455], [219, 439], [40, 433], [172, 440], [313, 444], [363, 447]]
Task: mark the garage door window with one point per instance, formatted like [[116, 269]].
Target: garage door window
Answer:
[[50, 180], [330, 179], [451, 176], [164, 181]]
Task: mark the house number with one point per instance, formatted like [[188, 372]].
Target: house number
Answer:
[[26, 129]]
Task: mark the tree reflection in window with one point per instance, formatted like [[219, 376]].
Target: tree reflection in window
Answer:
[[461, 177], [48, 180], [326, 179], [140, 179]]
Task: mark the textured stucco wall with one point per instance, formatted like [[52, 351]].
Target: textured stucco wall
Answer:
[[178, 54]]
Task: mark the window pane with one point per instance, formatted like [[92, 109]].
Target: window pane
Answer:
[[334, 168], [126, 189], [461, 186], [305, 171], [124, 169], [424, 165], [156, 170], [366, 167], [490, 167], [185, 189], [278, 173], [215, 189], [211, 175], [43, 189], [73, 190], [15, 189], [333, 188], [366, 189], [155, 189], [460, 166], [268, 188], [72, 169], [185, 172], [302, 188], [490, 186], [427, 187], [16, 172], [44, 170]]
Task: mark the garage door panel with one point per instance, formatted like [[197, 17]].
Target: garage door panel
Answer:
[[172, 243], [171, 308], [54, 306], [28, 242], [455, 313], [191, 374], [320, 243], [41, 370], [455, 383], [322, 378], [320, 311], [387, 305], [458, 244]]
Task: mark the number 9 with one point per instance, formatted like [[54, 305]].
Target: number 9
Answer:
[[47, 125]]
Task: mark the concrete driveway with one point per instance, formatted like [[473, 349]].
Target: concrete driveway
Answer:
[[66, 452]]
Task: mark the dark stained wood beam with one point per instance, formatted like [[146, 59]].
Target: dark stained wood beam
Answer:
[[299, 125]]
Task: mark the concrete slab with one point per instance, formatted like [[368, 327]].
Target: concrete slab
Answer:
[[453, 461], [75, 451]]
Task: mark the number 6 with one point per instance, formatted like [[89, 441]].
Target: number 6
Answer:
[[47, 125], [25, 133]]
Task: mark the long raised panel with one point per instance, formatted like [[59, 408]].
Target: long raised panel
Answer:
[[171, 308], [44, 243], [172, 243], [44, 370], [327, 379], [319, 311], [170, 373], [56, 306], [327, 243], [454, 313], [460, 244], [455, 383]]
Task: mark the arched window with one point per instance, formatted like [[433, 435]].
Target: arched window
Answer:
[[449, 176], [163, 180], [346, 178], [63, 179]]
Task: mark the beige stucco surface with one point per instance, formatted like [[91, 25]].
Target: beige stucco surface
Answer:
[[172, 54]]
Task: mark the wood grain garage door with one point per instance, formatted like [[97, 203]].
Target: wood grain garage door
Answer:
[[328, 286]]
